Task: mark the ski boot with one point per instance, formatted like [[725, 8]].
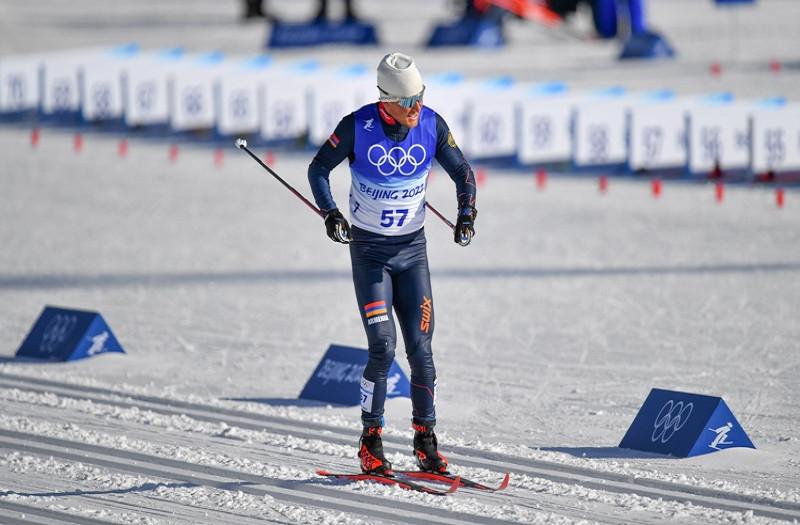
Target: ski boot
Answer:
[[425, 450], [370, 452]]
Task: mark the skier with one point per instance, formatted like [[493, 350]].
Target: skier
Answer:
[[390, 146]]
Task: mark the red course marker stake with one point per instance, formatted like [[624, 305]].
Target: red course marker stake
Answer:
[[716, 69], [480, 177], [77, 142], [219, 157], [656, 187], [35, 136], [122, 148], [173, 153], [269, 158], [602, 183], [541, 179], [779, 197], [775, 66], [720, 192]]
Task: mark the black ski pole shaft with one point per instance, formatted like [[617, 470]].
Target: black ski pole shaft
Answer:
[[242, 144], [436, 212]]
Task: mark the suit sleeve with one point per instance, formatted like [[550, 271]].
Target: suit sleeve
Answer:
[[449, 156], [338, 147]]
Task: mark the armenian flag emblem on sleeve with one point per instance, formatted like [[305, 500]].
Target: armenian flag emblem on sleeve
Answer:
[[333, 140]]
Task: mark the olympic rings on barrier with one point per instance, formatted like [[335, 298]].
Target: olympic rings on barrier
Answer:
[[56, 332], [670, 419], [395, 165]]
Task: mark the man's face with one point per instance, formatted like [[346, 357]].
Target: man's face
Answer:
[[408, 117]]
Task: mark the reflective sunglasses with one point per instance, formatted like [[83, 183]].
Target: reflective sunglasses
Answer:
[[406, 102]]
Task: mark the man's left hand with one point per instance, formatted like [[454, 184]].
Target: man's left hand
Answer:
[[465, 225]]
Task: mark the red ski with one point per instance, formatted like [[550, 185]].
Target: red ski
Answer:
[[449, 478], [389, 480]]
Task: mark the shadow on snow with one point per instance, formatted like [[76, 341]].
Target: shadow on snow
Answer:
[[107, 280]]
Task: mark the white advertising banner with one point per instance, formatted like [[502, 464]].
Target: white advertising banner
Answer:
[[718, 134], [146, 87], [101, 89], [448, 95], [599, 129], [335, 94], [191, 92], [657, 132], [237, 96], [775, 137], [544, 125], [491, 126], [60, 86], [19, 83], [284, 100]]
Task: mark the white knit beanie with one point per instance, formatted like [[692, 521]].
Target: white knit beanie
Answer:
[[398, 77]]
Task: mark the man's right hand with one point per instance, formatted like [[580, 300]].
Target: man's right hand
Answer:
[[465, 225], [337, 227]]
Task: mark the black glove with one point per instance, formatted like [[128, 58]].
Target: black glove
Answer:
[[337, 227], [465, 225]]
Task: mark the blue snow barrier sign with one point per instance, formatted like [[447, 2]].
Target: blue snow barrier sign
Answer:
[[684, 425], [468, 32], [62, 334], [315, 34], [337, 378]]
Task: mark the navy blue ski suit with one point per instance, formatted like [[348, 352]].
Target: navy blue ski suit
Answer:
[[389, 165]]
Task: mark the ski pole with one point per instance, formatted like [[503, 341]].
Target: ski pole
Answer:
[[242, 144], [463, 240], [436, 212]]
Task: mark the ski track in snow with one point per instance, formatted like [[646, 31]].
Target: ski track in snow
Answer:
[[144, 416], [212, 501], [139, 419]]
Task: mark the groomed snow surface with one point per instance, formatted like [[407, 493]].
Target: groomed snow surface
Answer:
[[552, 327]]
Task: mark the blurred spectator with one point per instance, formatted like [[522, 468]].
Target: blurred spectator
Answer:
[[605, 14], [349, 13], [255, 9]]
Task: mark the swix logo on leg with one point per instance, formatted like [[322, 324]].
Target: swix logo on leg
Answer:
[[427, 314]]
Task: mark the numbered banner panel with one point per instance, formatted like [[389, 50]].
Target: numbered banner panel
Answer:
[[284, 105], [491, 128], [337, 378], [146, 91], [332, 97], [657, 135], [237, 99], [19, 84], [544, 130], [60, 90], [64, 334], [775, 138], [450, 100], [101, 89], [192, 96], [718, 134], [599, 132]]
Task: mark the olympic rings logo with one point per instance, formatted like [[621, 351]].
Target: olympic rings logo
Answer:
[[671, 418], [389, 163], [56, 332]]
